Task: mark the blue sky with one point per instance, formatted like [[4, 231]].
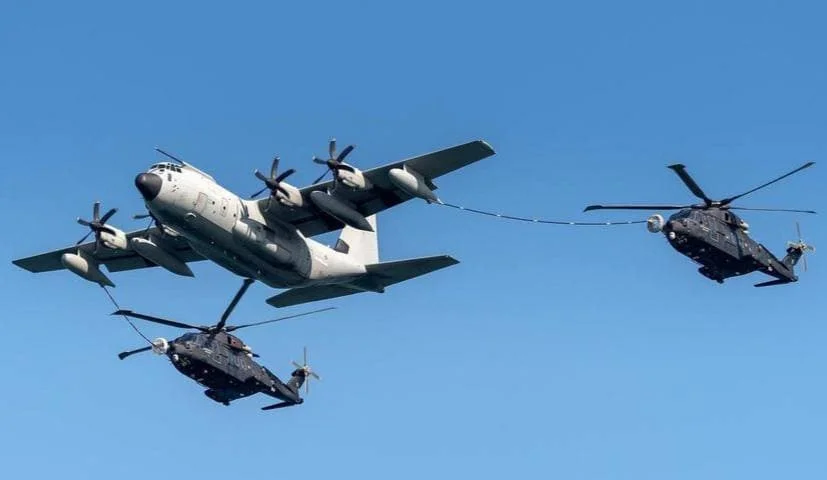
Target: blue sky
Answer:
[[576, 353]]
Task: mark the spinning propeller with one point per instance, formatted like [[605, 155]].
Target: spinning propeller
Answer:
[[708, 203], [97, 225], [272, 183], [221, 326], [801, 246], [308, 372], [334, 162]]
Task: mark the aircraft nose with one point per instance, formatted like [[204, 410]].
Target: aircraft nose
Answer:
[[149, 185]]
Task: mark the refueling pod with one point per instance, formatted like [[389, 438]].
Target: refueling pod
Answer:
[[412, 183], [86, 268]]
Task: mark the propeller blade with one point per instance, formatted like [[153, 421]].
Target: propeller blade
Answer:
[[84, 238], [258, 193], [123, 355], [96, 211], [331, 147], [284, 175], [772, 210], [84, 222], [344, 154], [297, 365], [680, 169], [107, 216], [233, 303], [260, 176], [319, 161], [162, 321], [275, 167], [141, 216], [320, 177], [232, 328], [729, 200], [343, 166], [636, 207]]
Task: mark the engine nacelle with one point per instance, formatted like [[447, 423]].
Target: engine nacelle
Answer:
[[292, 199], [355, 179], [116, 240], [412, 183], [655, 223], [86, 268], [157, 255], [255, 237]]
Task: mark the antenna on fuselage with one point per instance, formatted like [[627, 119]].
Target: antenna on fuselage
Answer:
[[170, 156]]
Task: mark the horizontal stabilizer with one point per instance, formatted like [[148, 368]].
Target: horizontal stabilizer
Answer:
[[378, 277], [772, 282]]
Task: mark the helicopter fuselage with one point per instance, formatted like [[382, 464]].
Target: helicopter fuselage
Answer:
[[220, 363], [719, 241]]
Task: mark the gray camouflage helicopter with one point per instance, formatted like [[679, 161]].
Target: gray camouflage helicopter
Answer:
[[713, 236], [222, 363]]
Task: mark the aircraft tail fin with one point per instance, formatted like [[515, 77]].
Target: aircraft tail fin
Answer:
[[378, 277], [361, 245]]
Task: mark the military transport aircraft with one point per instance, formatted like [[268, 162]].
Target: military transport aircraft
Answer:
[[195, 218]]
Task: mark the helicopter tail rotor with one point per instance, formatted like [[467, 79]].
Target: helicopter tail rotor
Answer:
[[303, 373], [797, 249]]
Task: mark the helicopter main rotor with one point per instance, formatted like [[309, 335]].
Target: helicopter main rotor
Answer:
[[708, 203]]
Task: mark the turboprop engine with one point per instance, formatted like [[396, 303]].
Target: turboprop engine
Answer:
[[655, 223]]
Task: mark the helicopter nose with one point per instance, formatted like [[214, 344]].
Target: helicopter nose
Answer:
[[149, 185]]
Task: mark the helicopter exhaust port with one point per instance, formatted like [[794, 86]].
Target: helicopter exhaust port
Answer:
[[655, 223]]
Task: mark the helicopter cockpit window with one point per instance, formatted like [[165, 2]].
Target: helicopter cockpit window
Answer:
[[190, 338]]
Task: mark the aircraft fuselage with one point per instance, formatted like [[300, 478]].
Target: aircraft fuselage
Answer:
[[233, 233]]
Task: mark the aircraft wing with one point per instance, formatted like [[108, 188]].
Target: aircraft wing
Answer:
[[384, 194], [115, 260]]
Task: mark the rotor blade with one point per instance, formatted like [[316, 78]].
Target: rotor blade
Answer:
[[772, 209], [234, 302], [320, 177], [123, 355], [804, 257], [108, 215], [275, 167], [305, 355], [729, 200], [258, 193], [690, 182], [232, 328], [284, 175], [344, 153], [84, 238], [798, 230], [96, 211], [636, 207], [149, 318], [296, 365]]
